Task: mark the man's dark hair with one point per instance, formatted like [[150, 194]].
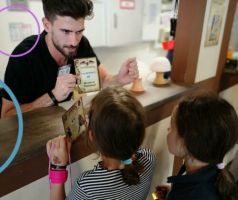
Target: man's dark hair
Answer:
[[72, 8]]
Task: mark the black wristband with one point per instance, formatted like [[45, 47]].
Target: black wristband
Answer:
[[57, 167], [52, 96]]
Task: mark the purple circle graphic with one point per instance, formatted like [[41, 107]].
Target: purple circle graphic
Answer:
[[19, 7]]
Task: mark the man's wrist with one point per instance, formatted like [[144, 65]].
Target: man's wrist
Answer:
[[53, 98]]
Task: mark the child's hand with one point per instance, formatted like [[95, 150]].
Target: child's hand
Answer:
[[162, 191], [58, 150]]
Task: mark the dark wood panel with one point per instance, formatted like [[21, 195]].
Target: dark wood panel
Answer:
[[35, 166], [187, 40], [31, 160], [228, 80], [23, 173], [39, 126], [165, 108]]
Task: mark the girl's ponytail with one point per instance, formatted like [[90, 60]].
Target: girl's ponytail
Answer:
[[226, 185], [131, 173]]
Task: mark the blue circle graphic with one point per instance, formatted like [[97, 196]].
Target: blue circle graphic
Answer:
[[20, 127]]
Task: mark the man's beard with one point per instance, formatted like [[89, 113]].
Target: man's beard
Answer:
[[61, 50]]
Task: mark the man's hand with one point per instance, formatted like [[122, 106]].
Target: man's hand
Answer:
[[64, 86], [128, 72], [58, 150]]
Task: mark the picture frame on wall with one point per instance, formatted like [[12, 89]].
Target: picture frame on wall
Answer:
[[216, 16]]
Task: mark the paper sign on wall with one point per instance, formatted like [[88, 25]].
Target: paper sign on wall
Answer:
[[17, 2], [19, 31]]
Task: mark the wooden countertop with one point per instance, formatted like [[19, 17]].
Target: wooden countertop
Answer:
[[159, 101], [39, 126], [43, 124]]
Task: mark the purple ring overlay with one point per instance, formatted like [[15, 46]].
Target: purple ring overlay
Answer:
[[23, 8]]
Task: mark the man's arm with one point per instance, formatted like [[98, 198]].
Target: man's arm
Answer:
[[127, 74], [8, 108], [64, 86]]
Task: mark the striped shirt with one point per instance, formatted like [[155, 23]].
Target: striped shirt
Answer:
[[102, 184]]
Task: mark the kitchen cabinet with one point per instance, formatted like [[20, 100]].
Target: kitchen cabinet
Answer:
[[115, 23]]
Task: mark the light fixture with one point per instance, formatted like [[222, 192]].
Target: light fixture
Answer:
[[160, 65]]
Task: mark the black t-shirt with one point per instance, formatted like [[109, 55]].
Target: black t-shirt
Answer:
[[34, 74], [197, 186]]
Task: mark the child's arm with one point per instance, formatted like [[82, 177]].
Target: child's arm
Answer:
[[57, 192], [161, 192], [58, 151]]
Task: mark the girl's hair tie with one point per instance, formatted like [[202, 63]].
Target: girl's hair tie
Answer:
[[126, 162], [221, 165]]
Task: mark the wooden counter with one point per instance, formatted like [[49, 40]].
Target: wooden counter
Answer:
[[31, 162]]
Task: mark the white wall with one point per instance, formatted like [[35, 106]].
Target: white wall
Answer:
[[209, 55], [7, 17], [113, 57], [156, 140], [231, 95], [234, 38]]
